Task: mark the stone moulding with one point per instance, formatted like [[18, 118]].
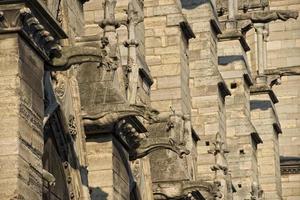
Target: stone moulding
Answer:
[[255, 89], [289, 165], [187, 30], [268, 16], [224, 89], [232, 35]]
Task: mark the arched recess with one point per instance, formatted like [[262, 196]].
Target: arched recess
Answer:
[[55, 160]]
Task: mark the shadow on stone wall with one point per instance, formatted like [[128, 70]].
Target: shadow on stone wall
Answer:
[[260, 104], [97, 193], [225, 60], [191, 4]]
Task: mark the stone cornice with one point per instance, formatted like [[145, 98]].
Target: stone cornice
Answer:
[[234, 35], [264, 90], [34, 23], [289, 165], [256, 138], [224, 89]]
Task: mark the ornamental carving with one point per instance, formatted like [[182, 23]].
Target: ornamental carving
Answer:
[[22, 20]]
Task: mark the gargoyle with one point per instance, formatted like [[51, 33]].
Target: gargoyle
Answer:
[[111, 117], [268, 16], [179, 149], [75, 55]]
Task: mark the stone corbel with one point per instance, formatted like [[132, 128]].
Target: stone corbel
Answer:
[[138, 140]]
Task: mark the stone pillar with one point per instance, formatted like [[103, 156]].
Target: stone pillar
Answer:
[[23, 49], [167, 56], [266, 122], [132, 44], [242, 137], [260, 47], [207, 87], [232, 9], [21, 119]]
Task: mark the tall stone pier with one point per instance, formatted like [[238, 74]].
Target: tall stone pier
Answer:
[[23, 50], [265, 120]]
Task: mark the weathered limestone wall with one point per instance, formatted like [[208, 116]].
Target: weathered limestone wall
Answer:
[[290, 186], [265, 120], [117, 180], [108, 176], [166, 55], [284, 51], [242, 156], [69, 14], [21, 114], [208, 108]]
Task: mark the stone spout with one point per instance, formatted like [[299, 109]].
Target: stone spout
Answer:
[[141, 152], [75, 55], [111, 117]]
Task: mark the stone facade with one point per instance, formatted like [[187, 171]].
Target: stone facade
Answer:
[[149, 99]]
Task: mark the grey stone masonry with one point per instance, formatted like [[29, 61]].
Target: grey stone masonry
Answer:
[[108, 176], [167, 56], [242, 137], [265, 120], [207, 87], [21, 126]]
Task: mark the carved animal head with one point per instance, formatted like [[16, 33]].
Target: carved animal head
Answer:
[[285, 15], [180, 149]]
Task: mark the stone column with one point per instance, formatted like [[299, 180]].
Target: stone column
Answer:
[[241, 136], [132, 44], [259, 28], [232, 9]]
